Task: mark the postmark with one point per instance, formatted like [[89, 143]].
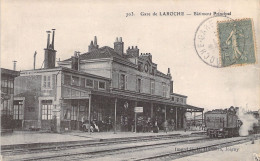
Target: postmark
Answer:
[[236, 42], [206, 41]]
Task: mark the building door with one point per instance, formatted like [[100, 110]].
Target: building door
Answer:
[[47, 108], [18, 114], [74, 117]]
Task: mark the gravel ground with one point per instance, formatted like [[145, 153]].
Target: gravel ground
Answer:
[[241, 152]]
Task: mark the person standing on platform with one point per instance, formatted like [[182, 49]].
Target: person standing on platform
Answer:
[[165, 126], [155, 127]]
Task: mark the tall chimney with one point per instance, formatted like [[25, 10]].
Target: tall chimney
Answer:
[[34, 60], [93, 46], [171, 87], [14, 65], [169, 72], [95, 41], [78, 60], [53, 34], [133, 51], [48, 39], [75, 61], [119, 46], [50, 53]]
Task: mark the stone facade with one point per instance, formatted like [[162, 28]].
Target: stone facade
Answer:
[[105, 84]]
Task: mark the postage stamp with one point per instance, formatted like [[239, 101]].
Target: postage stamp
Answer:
[[206, 41], [236, 42]]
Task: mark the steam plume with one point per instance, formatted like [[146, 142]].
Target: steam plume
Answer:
[[248, 122]]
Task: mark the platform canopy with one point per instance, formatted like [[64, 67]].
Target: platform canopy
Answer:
[[190, 108]]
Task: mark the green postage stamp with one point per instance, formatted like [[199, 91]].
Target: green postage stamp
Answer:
[[236, 42]]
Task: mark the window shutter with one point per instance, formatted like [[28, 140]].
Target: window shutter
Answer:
[[125, 81], [43, 80], [136, 84], [142, 83], [118, 81]]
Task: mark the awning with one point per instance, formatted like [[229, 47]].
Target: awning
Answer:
[[190, 108]]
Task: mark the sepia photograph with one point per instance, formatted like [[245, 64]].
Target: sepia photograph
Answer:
[[130, 80]]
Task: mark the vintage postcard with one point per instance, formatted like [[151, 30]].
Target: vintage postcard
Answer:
[[130, 80]]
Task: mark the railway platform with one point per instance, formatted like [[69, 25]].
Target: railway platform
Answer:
[[32, 138]]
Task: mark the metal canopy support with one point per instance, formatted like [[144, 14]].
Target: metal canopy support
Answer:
[[151, 110], [176, 121], [78, 119], [202, 118], [135, 116], [165, 114], [89, 111], [194, 118], [115, 116]]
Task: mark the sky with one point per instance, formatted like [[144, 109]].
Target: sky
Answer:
[[170, 40]]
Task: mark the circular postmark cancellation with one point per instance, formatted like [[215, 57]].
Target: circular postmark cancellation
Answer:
[[206, 41], [221, 41]]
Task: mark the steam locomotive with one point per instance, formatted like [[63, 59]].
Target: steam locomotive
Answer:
[[225, 123]]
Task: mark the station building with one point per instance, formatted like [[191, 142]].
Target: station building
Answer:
[[104, 84], [8, 110]]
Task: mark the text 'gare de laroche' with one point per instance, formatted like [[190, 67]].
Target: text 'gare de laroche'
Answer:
[[177, 14]]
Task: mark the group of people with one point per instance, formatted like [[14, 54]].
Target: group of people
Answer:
[[153, 125], [144, 124], [96, 126]]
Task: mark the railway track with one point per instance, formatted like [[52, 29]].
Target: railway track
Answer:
[[160, 152], [101, 150], [14, 150], [134, 149], [192, 151]]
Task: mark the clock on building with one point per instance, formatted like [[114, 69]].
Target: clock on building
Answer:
[[146, 67]]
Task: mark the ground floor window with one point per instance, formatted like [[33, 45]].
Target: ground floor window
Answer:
[[18, 110], [5, 107], [47, 110], [74, 112]]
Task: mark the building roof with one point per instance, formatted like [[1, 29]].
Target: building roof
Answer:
[[180, 95], [42, 70], [103, 52], [9, 72], [108, 52]]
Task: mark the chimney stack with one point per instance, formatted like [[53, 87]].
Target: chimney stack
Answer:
[[133, 51], [95, 41], [48, 39], [50, 53], [92, 45], [34, 60], [14, 68], [75, 61], [171, 86], [169, 72], [53, 34], [119, 46]]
